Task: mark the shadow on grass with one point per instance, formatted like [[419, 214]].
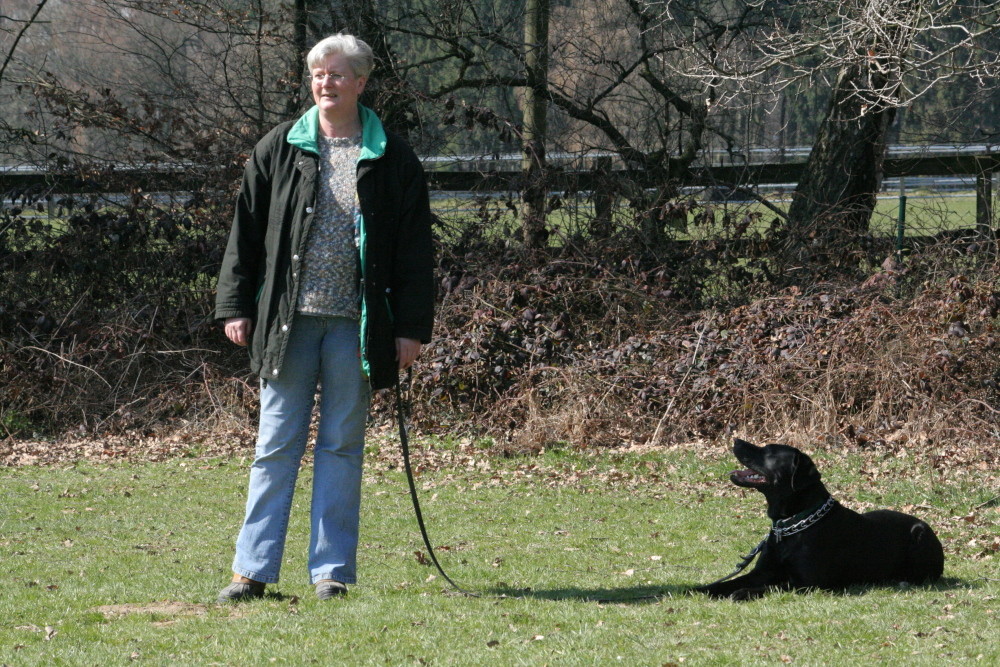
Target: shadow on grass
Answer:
[[631, 595], [943, 584], [655, 594]]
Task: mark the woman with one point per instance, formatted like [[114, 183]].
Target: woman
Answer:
[[328, 278]]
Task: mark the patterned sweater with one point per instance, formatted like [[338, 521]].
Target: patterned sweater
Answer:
[[330, 267]]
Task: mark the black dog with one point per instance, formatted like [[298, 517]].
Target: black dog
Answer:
[[815, 542]]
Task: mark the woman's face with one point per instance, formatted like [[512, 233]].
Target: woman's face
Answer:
[[335, 88]]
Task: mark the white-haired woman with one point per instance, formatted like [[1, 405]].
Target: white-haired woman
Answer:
[[328, 279]]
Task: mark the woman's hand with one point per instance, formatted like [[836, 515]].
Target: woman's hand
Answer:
[[407, 351], [238, 330]]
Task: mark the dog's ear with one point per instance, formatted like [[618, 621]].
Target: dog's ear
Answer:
[[804, 471]]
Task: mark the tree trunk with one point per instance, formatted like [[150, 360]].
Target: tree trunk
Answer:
[[299, 49], [535, 107], [835, 198]]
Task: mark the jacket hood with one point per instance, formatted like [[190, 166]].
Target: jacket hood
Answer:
[[305, 133]]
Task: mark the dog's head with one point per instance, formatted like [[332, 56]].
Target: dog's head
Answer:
[[774, 470]]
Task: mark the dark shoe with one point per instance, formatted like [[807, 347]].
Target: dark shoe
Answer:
[[237, 592], [330, 589]]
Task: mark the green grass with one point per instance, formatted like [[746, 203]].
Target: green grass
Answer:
[[119, 564], [927, 213]]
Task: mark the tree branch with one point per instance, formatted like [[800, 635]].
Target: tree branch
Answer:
[[20, 34]]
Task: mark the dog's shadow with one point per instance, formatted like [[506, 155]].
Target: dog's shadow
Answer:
[[944, 584], [631, 595], [637, 595]]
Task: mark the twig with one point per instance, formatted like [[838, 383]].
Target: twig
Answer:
[[976, 400], [68, 361], [989, 503], [670, 405], [20, 34]]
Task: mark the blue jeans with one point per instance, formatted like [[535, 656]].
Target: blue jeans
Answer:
[[322, 350]]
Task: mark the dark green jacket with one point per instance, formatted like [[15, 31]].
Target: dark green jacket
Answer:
[[261, 267]]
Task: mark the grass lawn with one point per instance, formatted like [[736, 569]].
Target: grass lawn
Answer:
[[120, 564], [927, 213]]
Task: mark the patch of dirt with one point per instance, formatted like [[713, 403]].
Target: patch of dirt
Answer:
[[168, 608]]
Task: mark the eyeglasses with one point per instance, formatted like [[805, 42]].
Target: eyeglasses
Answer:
[[327, 76]]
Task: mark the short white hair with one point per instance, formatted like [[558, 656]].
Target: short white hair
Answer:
[[359, 55]]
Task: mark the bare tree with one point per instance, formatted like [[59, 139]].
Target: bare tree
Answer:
[[535, 107], [608, 88], [664, 86], [144, 80], [877, 56], [154, 80], [16, 32], [13, 29]]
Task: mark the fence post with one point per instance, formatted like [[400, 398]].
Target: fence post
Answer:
[[901, 220], [984, 196], [604, 198]]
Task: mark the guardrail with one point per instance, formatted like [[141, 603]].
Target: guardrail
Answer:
[[601, 178]]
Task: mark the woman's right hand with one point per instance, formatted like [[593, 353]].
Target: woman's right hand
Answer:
[[238, 330]]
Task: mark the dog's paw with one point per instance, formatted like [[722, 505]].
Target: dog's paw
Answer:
[[745, 594], [709, 590]]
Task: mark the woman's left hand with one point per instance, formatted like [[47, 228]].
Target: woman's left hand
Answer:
[[407, 351]]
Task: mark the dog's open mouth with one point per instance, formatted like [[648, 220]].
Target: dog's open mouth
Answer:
[[748, 477]]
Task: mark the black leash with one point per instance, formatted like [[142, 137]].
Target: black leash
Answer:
[[744, 563], [781, 529], [404, 441]]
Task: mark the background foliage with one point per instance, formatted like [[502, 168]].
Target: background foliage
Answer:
[[603, 336]]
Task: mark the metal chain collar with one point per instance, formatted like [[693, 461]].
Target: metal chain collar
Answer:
[[781, 532]]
